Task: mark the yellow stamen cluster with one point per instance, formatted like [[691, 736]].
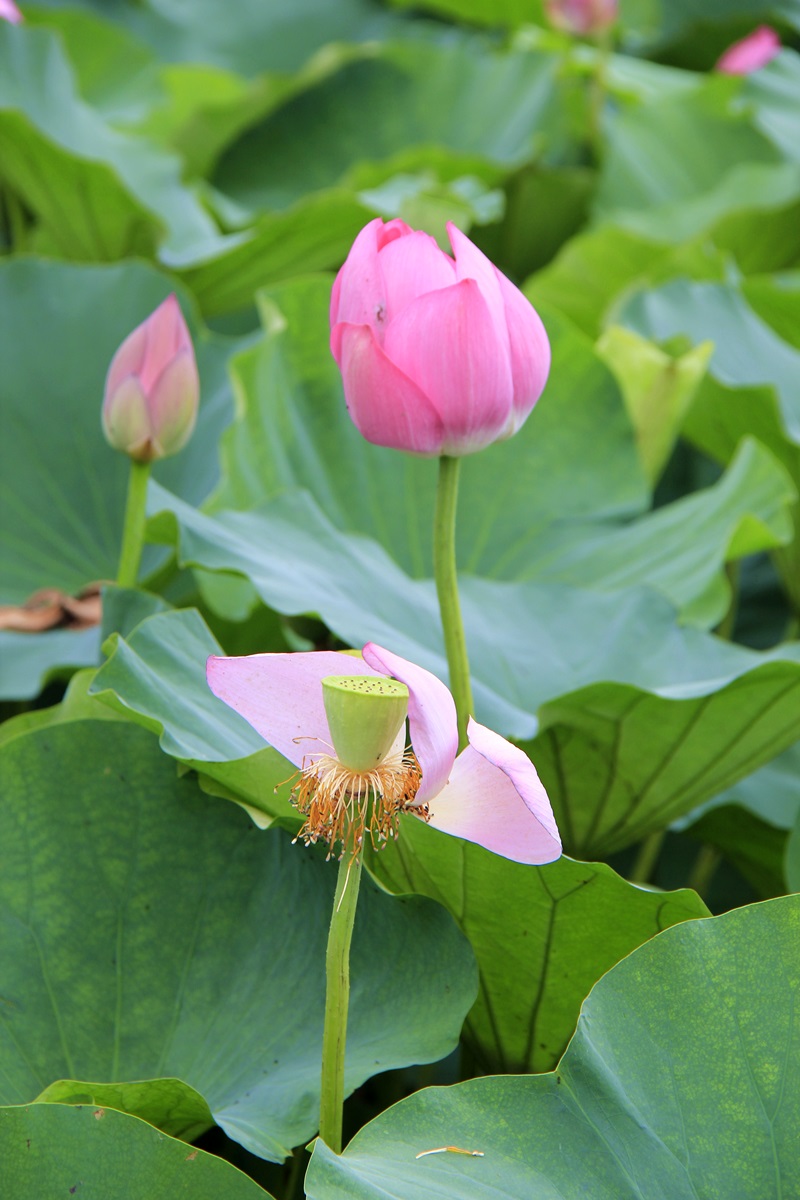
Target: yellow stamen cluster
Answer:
[[340, 805]]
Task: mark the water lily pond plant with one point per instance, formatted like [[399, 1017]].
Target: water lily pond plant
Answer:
[[399, 600]]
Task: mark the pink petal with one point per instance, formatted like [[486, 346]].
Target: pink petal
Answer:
[[172, 403], [446, 343], [412, 266], [150, 346], [166, 336], [431, 717], [359, 290], [495, 798], [128, 359], [530, 350], [516, 318], [386, 407], [280, 695], [472, 263], [126, 418], [391, 231], [751, 53]]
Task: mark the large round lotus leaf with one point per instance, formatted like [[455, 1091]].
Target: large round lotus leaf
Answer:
[[50, 1151], [682, 1083], [149, 932]]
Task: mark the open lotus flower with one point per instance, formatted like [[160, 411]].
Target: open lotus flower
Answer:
[[438, 355], [341, 720], [152, 387], [751, 53]]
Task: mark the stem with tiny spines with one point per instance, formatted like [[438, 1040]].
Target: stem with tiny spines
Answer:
[[337, 999]]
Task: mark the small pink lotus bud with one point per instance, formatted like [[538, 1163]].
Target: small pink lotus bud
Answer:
[[152, 387], [583, 17], [752, 52], [10, 12], [438, 355]]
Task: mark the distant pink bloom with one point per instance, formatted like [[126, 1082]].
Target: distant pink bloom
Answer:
[[10, 12], [582, 17], [438, 355], [152, 387], [489, 794], [752, 52]]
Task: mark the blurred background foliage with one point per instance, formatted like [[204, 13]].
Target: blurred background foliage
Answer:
[[631, 560]]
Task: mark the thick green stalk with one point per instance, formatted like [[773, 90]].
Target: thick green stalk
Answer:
[[444, 568], [705, 866], [133, 530], [647, 857], [337, 999]]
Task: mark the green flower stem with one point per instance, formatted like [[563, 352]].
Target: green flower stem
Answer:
[[598, 91], [704, 869], [647, 857], [444, 568], [337, 999], [133, 530]]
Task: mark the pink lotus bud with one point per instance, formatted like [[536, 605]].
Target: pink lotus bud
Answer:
[[152, 387], [10, 12], [752, 52], [583, 17], [437, 356]]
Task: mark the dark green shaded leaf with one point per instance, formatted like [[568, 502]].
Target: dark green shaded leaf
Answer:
[[619, 763], [755, 848]]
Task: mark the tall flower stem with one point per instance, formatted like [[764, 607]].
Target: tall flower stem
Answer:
[[646, 859], [135, 520], [444, 568], [337, 999]]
